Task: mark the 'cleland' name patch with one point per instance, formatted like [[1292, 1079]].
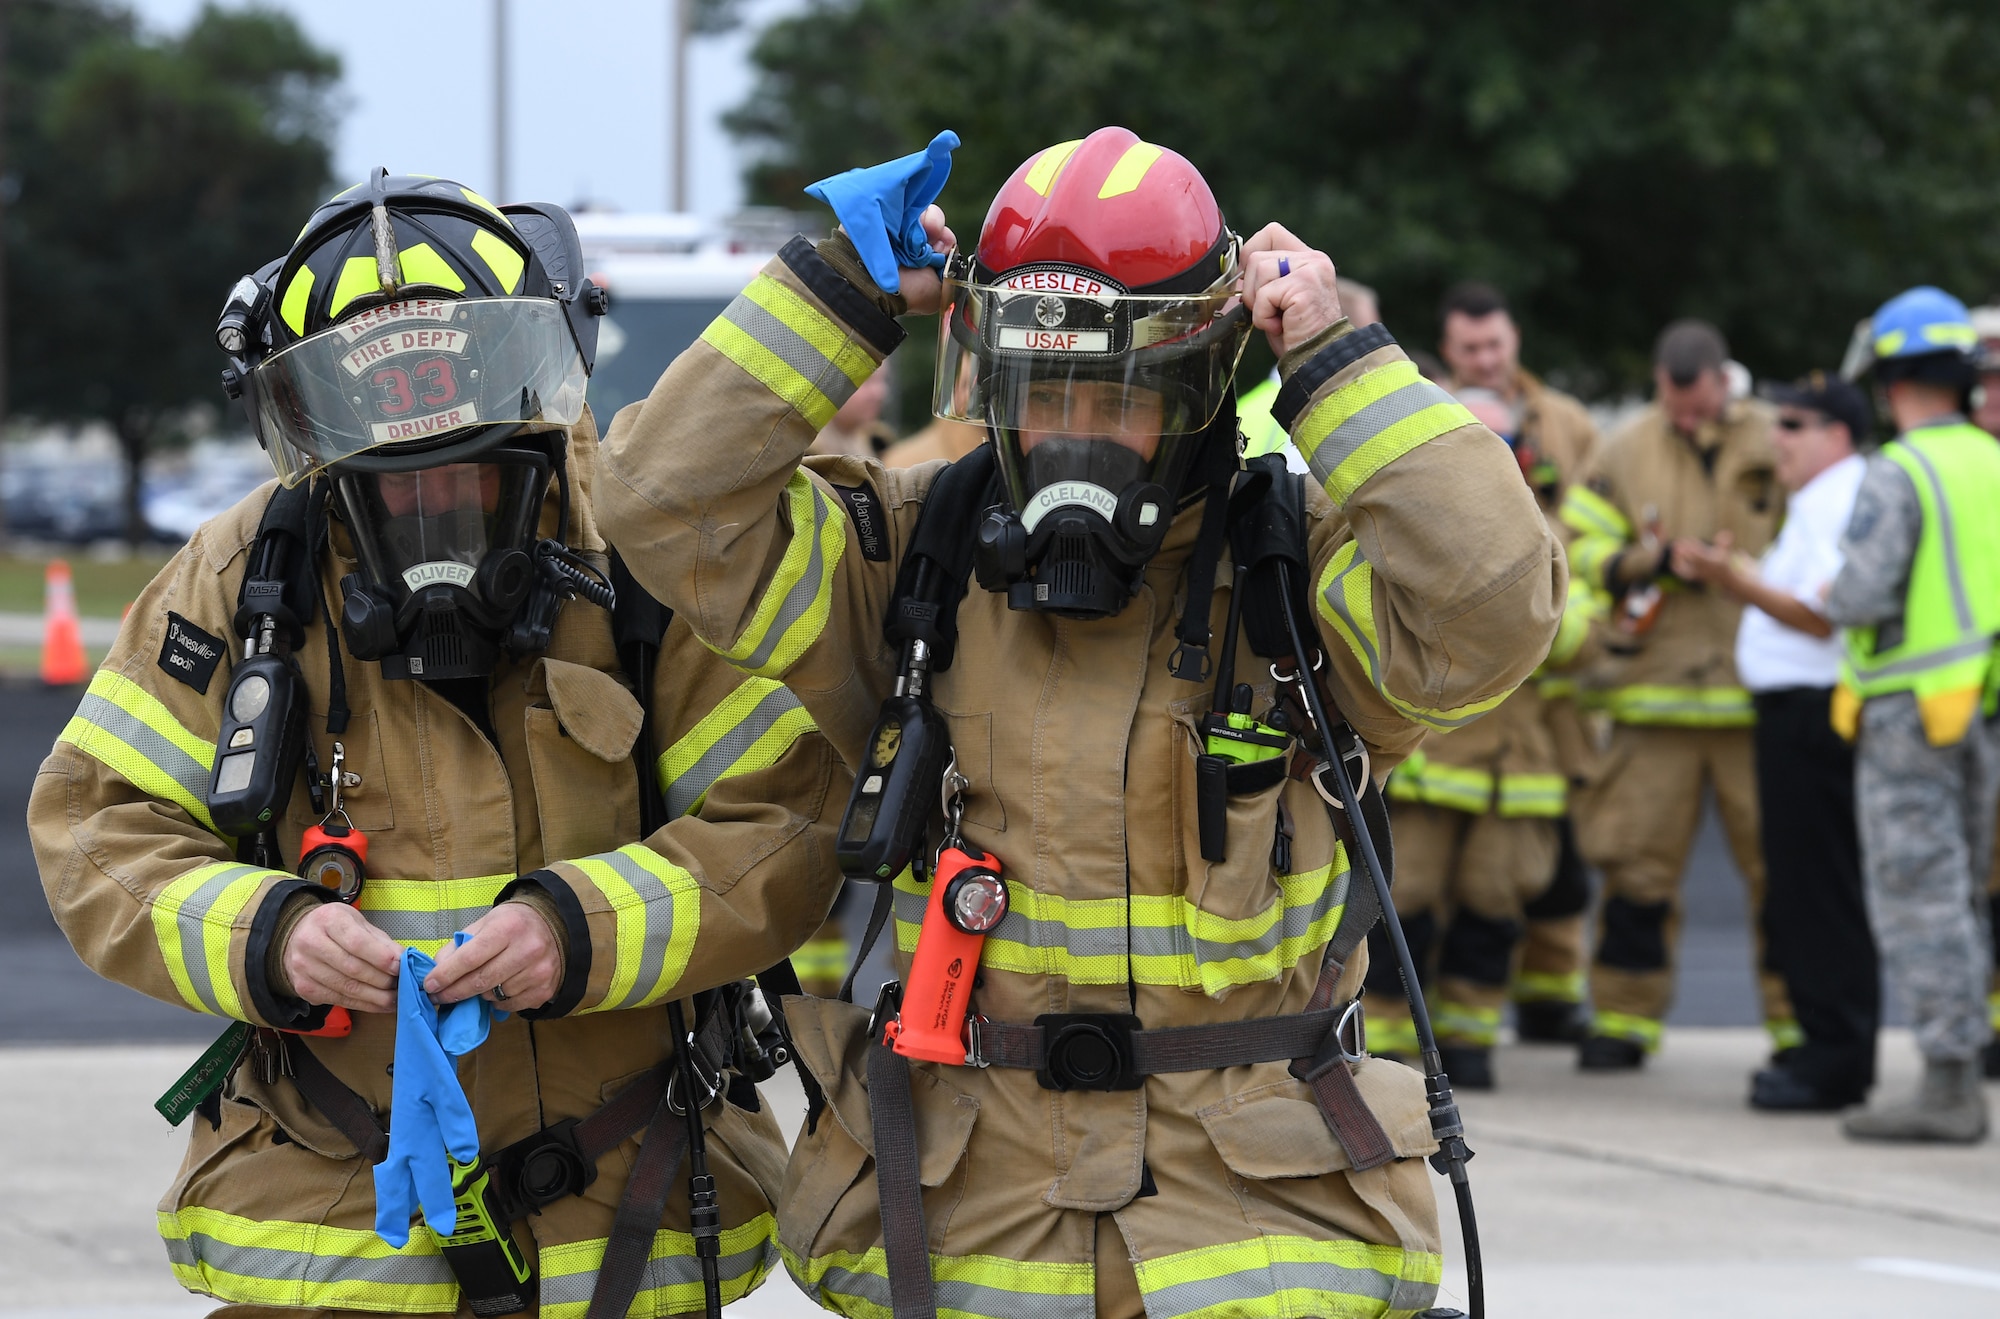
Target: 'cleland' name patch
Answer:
[[189, 653]]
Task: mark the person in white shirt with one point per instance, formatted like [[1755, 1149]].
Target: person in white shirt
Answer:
[[1788, 654]]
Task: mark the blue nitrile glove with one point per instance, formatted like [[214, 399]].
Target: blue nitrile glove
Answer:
[[882, 209], [428, 1113]]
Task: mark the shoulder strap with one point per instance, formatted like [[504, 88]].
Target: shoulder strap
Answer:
[[937, 564], [282, 581], [1267, 526]]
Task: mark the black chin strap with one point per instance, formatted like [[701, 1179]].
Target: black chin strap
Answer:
[[1191, 662]]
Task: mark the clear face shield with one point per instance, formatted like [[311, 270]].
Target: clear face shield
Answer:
[[413, 373]]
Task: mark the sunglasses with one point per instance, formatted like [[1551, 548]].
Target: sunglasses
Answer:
[[1799, 423]]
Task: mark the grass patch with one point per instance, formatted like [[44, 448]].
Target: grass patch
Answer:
[[103, 586]]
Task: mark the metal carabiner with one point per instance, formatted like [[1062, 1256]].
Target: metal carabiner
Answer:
[[951, 796]]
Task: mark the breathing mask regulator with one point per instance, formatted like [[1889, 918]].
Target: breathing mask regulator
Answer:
[[425, 350]]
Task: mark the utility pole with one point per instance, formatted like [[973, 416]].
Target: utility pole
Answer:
[[502, 192], [678, 16], [6, 21]]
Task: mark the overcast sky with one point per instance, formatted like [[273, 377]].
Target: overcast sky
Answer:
[[589, 93]]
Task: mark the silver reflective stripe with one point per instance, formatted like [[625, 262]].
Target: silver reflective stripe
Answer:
[[1936, 659], [804, 591], [659, 916], [1335, 596], [699, 777], [1370, 421], [1255, 1287], [1959, 603], [136, 733], [425, 926], [1294, 923], [661, 1271], [278, 1265], [188, 921], [966, 1298], [791, 348]]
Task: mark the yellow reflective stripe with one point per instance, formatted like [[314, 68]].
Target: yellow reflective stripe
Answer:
[[1993, 1010], [1159, 939], [422, 265], [1465, 1023], [1558, 688], [1346, 601], [791, 347], [194, 917], [1545, 795], [1590, 558], [974, 1286], [1279, 1276], [1130, 171], [671, 1281], [1042, 174], [1456, 787], [297, 294], [1365, 425], [1588, 513], [123, 725], [360, 277], [305, 1265], [1625, 1026], [1393, 1032], [501, 258], [820, 959], [1691, 707], [751, 728], [795, 606], [1785, 1033], [425, 913], [1580, 608], [656, 906], [1547, 987]]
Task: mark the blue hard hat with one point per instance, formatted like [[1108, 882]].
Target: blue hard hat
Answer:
[[1921, 321]]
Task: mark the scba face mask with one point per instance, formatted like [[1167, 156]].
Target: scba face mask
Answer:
[[448, 563], [1098, 402]]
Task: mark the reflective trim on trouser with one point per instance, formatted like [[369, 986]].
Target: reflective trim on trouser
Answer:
[[1625, 1026], [797, 601], [752, 727], [821, 960], [1784, 1033], [1993, 1011], [1547, 987], [1678, 707], [305, 1265], [425, 913], [671, 1282], [1456, 1022], [1390, 1029], [975, 1286], [1275, 1277], [127, 728], [657, 909]]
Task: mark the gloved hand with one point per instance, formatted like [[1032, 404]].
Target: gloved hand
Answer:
[[428, 1113], [882, 209]]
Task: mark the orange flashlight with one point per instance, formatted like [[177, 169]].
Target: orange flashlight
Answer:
[[968, 900]]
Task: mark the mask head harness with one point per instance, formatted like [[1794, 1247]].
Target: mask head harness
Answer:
[[1095, 335], [425, 351]]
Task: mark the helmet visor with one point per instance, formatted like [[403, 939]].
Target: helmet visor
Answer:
[[1052, 350], [414, 373]]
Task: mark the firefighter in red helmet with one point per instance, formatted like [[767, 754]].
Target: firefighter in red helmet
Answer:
[[1126, 1133]]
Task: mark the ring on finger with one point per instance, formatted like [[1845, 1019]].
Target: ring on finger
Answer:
[[1284, 267], [499, 993]]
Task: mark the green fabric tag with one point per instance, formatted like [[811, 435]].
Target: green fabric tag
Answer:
[[206, 1076]]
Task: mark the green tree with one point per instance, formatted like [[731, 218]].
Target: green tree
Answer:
[[1779, 166], [151, 175]]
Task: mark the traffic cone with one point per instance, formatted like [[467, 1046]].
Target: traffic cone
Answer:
[[63, 661]]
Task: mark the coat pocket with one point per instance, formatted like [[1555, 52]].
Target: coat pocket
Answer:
[[972, 744], [829, 1201], [580, 751]]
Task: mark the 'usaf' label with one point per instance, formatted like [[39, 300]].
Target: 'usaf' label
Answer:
[[866, 514], [189, 653]]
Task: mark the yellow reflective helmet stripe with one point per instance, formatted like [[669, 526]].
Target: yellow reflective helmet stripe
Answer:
[[1276, 1276], [796, 605], [1346, 601], [360, 277], [500, 256], [126, 727], [1154, 939], [1678, 707], [1130, 171], [425, 913], [293, 305], [305, 1265], [478, 200], [1042, 174], [422, 265], [656, 907], [752, 727], [195, 918], [1362, 427], [791, 347], [972, 1286], [671, 1282]]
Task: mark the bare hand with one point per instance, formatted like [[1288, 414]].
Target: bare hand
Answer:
[[510, 947], [923, 287], [1695, 562], [335, 956], [1293, 306]]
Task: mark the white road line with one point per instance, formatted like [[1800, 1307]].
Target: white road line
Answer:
[[1931, 1271]]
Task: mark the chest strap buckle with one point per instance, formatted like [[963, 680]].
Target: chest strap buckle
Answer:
[[1088, 1051]]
